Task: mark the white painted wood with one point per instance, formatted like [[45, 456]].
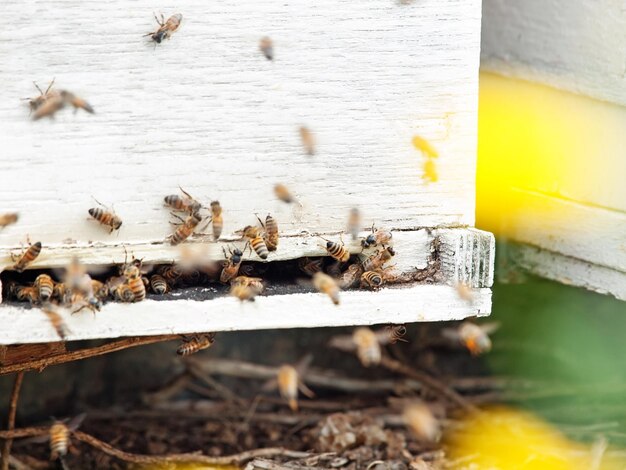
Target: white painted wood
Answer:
[[390, 305], [576, 45], [206, 111]]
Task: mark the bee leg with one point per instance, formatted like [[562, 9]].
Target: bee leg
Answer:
[[306, 391]]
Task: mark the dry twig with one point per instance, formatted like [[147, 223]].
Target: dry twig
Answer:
[[6, 449]]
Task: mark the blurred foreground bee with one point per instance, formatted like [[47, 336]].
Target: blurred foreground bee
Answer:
[[158, 284], [195, 343], [421, 421], [255, 283], [310, 266], [166, 28], [308, 141], [377, 237], [326, 285], [185, 229], [282, 193], [106, 217], [354, 223], [271, 232], [465, 292], [216, 219], [58, 101], [337, 251], [27, 257], [184, 204], [425, 147], [367, 343], [8, 219], [56, 320], [243, 292], [45, 287], [289, 380], [474, 337], [267, 47], [256, 241], [378, 259]]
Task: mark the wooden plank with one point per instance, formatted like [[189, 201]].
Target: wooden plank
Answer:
[[575, 45], [27, 352], [207, 112]]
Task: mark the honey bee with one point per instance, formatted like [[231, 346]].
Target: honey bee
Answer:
[[26, 294], [351, 276], [8, 219], [99, 289], [172, 274], [79, 301], [421, 421], [44, 286], [474, 337], [377, 237], [337, 251], [135, 282], [465, 292], [256, 241], [282, 193], [243, 292], [392, 334], [271, 232], [310, 266], [216, 219], [308, 140], [57, 101], [106, 217], [158, 284], [255, 283], [195, 343], [185, 229], [60, 292], [123, 293], [59, 436], [354, 223], [425, 147], [378, 259], [367, 346], [289, 382], [231, 265], [326, 285], [267, 48], [38, 101], [166, 28], [183, 204], [371, 280], [27, 257], [56, 320]]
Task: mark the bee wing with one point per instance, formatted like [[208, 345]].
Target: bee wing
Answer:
[[489, 328], [386, 335], [74, 423], [303, 364], [343, 342], [271, 384], [306, 391], [451, 334]]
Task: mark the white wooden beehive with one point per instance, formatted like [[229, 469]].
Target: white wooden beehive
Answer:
[[207, 112]]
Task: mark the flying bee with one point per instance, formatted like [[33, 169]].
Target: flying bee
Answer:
[[310, 266], [44, 286], [195, 343], [308, 140], [326, 285], [8, 219], [354, 223], [474, 337], [378, 259], [421, 421], [231, 265], [289, 381], [106, 217], [367, 343], [183, 204], [158, 284], [56, 320], [185, 229], [271, 232], [371, 280], [57, 101], [377, 237], [282, 193], [27, 257], [217, 219], [351, 276], [465, 292], [255, 283], [255, 241], [135, 282], [166, 28], [337, 251], [267, 47], [243, 292], [425, 147]]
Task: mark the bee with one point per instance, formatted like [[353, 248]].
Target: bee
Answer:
[[282, 193], [425, 147], [24, 294], [57, 101], [255, 283], [44, 286], [474, 337], [158, 284], [377, 237], [185, 229], [123, 293], [465, 292], [367, 346], [135, 282], [8, 219], [337, 251], [310, 266], [371, 280], [60, 291], [351, 276], [59, 435], [216, 219], [243, 292], [378, 259], [392, 334], [421, 421], [99, 289], [354, 223], [195, 343], [255, 241], [27, 257], [106, 217], [38, 101], [231, 265], [80, 301], [172, 274], [271, 232], [183, 204], [166, 28], [267, 48], [308, 140], [326, 285], [57, 321]]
